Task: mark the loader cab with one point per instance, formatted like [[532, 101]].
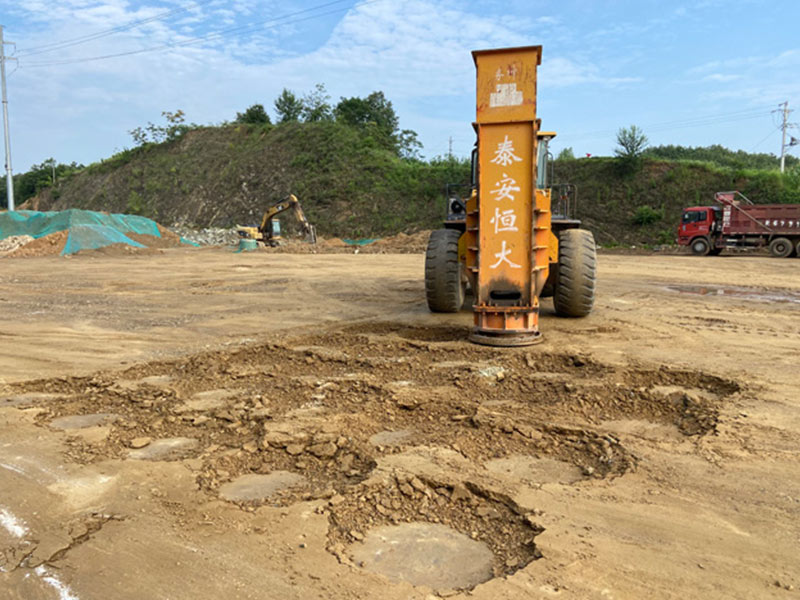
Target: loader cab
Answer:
[[563, 196], [544, 160]]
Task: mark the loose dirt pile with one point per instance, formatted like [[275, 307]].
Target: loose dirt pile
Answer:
[[402, 243], [53, 245], [48, 245]]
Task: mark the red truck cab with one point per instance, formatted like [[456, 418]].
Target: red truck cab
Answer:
[[697, 228]]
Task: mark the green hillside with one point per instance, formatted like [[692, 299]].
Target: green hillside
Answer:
[[644, 207], [348, 182], [353, 184]]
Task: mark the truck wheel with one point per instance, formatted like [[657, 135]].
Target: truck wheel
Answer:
[[781, 247], [797, 248], [573, 295], [700, 247], [444, 284]]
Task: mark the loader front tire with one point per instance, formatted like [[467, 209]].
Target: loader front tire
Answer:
[[445, 283], [577, 265]]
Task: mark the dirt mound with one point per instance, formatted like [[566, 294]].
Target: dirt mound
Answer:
[[53, 245], [402, 243], [49, 245], [332, 243], [10, 244]]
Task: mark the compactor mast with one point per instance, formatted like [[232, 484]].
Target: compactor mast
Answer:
[[505, 241]]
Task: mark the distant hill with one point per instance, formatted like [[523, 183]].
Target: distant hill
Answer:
[[348, 183], [721, 157], [353, 186]]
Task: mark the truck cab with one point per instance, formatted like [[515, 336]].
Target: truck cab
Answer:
[[698, 228]]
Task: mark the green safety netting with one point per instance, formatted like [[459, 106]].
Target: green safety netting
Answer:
[[88, 229], [360, 242]]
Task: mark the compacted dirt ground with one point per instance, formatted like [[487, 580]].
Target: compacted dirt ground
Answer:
[[201, 424]]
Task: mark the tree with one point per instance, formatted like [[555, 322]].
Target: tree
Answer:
[[374, 109], [156, 134], [38, 177], [316, 105], [566, 154], [288, 107], [255, 115], [374, 114], [631, 142], [408, 145], [719, 155]]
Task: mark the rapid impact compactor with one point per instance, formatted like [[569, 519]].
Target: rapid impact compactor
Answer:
[[514, 240]]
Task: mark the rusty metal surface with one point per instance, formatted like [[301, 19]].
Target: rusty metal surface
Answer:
[[505, 339], [506, 84]]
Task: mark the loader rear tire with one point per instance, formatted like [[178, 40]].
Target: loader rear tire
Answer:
[[781, 247], [577, 266], [445, 284]]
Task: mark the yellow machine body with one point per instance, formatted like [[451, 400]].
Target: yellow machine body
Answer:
[[509, 220]]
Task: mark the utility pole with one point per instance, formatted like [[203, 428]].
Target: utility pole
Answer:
[[450, 148], [784, 127], [9, 174]]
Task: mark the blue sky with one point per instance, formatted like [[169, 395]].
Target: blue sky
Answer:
[[694, 73]]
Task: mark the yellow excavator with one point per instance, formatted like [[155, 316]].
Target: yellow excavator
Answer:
[[269, 232]]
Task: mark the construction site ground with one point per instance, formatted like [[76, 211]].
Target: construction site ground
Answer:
[[646, 451]]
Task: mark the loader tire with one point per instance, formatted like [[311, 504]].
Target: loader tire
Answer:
[[577, 265], [444, 282], [781, 247]]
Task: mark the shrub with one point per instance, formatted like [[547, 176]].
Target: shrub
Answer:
[[647, 215]]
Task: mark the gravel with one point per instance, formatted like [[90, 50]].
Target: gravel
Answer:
[[212, 236]]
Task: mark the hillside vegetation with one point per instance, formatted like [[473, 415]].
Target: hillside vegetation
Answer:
[[644, 207], [349, 184], [354, 181]]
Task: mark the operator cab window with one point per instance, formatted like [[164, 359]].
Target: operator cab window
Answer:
[[694, 216]]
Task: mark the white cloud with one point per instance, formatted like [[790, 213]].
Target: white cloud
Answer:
[[416, 51], [562, 72], [721, 77]]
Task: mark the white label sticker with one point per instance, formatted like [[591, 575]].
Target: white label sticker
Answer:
[[506, 95]]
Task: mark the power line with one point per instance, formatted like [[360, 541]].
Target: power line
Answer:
[[269, 23], [680, 124], [765, 138], [105, 33]]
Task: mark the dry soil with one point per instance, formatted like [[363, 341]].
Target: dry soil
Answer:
[[647, 451]]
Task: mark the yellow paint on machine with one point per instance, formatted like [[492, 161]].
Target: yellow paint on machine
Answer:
[[513, 218]]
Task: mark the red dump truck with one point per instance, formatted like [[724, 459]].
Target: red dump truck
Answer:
[[738, 223]]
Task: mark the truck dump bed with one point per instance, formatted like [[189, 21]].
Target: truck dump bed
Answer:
[[758, 219]]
